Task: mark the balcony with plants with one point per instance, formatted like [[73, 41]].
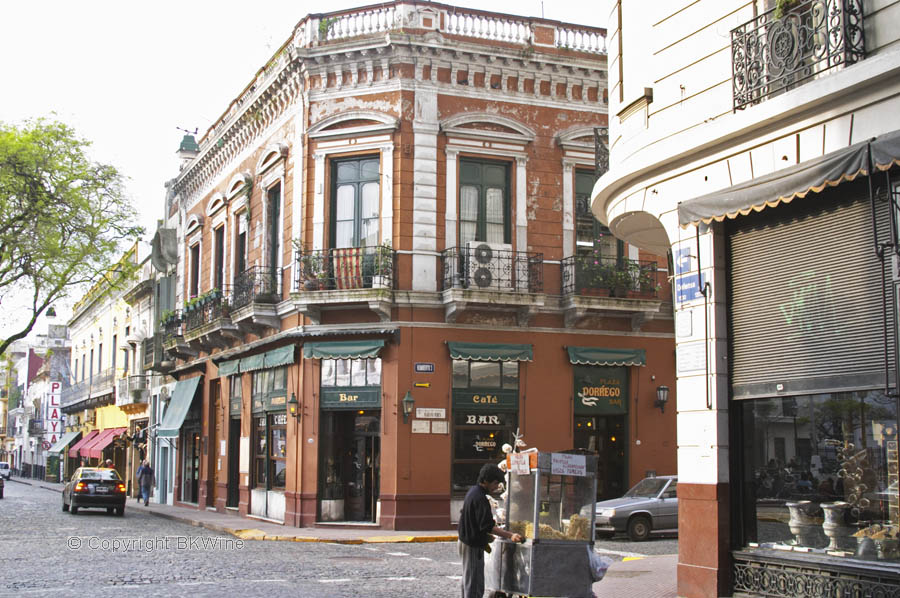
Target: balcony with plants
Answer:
[[344, 276], [484, 276], [207, 320], [257, 292], [596, 284], [794, 43], [171, 324]]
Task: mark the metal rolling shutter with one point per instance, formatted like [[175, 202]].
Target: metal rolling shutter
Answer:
[[804, 286]]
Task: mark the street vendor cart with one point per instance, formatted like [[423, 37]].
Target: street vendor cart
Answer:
[[550, 502]]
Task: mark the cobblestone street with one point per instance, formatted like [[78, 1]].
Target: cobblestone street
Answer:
[[44, 551]]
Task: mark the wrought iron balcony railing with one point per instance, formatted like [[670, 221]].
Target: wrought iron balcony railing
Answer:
[[103, 379], [75, 392], [610, 276], [35, 427], [346, 268], [207, 308], [172, 326], [257, 284], [132, 389], [771, 55], [480, 266]]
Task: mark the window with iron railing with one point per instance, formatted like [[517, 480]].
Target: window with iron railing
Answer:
[[774, 52]]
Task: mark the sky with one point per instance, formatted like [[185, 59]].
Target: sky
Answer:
[[127, 75]]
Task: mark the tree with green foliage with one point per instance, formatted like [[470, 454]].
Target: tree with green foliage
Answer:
[[62, 219]]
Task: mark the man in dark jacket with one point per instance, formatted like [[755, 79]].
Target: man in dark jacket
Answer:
[[476, 524]]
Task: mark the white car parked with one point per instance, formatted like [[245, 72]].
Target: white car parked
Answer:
[[5, 471]]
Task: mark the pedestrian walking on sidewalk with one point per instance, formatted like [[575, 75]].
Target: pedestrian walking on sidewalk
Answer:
[[146, 479], [476, 526]]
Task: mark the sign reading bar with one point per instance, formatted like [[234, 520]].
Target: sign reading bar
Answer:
[[563, 464], [429, 413], [359, 397]]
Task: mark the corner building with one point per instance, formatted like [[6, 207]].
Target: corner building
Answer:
[[386, 266]]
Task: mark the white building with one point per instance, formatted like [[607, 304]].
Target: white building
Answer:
[[749, 136]]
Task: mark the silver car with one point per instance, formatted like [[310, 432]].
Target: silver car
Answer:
[[650, 506]]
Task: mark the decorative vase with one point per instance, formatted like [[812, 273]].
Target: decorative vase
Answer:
[[835, 526], [804, 524]]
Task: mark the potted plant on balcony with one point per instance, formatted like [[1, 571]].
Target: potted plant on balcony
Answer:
[[384, 266], [312, 271]]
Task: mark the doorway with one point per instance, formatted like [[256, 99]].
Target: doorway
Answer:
[[605, 435], [350, 466], [190, 466], [232, 496]]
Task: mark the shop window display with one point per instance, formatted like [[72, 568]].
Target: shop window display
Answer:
[[820, 475]]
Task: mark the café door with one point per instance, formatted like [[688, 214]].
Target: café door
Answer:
[[605, 435]]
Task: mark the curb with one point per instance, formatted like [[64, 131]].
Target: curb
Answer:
[[257, 534]]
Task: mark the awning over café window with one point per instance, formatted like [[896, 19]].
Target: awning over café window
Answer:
[[279, 356], [490, 351], [73, 452], [253, 363], [782, 186], [599, 356], [228, 368], [343, 349], [179, 405], [65, 441]]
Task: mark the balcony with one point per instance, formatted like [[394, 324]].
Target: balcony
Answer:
[[598, 285], [257, 292], [345, 277], [75, 393], [207, 321], [772, 55], [133, 390], [491, 277], [173, 337], [155, 358], [35, 427]]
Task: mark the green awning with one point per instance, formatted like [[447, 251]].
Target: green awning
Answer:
[[343, 350], [280, 356], [228, 368], [65, 441], [179, 405], [253, 363], [491, 351], [599, 356]]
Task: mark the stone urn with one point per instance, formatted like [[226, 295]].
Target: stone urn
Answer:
[[835, 526], [805, 523]]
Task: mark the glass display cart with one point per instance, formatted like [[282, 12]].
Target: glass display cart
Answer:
[[550, 502]]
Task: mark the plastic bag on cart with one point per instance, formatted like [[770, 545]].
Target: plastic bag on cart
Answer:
[[599, 564]]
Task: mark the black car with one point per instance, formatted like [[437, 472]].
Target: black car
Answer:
[[94, 488]]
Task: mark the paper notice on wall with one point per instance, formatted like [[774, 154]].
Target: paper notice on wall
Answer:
[[563, 464], [244, 457], [222, 451], [421, 426], [518, 463]]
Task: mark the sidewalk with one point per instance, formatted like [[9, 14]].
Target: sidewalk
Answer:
[[644, 577]]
